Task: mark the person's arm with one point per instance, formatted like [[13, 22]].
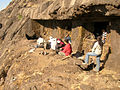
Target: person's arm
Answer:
[[94, 47], [90, 50], [66, 48], [63, 47]]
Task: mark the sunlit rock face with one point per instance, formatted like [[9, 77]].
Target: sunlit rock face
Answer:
[[64, 9]]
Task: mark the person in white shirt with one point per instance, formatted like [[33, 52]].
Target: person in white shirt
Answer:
[[53, 42], [96, 51], [40, 43], [104, 35]]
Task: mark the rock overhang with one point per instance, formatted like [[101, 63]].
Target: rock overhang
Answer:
[[63, 9]]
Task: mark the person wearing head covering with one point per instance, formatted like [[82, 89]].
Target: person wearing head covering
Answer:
[[67, 50], [59, 45]]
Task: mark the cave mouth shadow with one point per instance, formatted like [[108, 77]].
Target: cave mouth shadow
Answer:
[[87, 67], [34, 37], [54, 24], [100, 22], [0, 25]]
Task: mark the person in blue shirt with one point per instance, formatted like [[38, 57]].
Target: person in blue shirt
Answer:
[[67, 37]]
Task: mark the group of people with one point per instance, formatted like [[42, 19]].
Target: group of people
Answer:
[[61, 47], [65, 49]]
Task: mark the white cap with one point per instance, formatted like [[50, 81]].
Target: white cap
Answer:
[[58, 41]]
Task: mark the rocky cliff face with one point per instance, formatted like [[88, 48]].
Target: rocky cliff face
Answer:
[[22, 70], [64, 9], [19, 10]]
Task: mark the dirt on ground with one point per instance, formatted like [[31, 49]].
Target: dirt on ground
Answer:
[[35, 71]]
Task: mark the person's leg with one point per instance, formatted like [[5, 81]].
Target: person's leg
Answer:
[[56, 47], [87, 56], [61, 53], [97, 63], [103, 41]]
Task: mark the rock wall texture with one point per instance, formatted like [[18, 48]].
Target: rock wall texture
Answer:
[[115, 46], [64, 9], [19, 10]]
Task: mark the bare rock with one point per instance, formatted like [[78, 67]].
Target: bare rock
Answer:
[[86, 87]]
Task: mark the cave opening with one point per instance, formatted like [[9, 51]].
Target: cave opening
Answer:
[[47, 28], [99, 26], [33, 37], [0, 25]]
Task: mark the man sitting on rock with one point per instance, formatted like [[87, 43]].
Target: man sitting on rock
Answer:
[[96, 51]]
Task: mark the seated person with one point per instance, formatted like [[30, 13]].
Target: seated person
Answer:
[[96, 51], [40, 43], [67, 37], [67, 50], [53, 42], [59, 45], [104, 35]]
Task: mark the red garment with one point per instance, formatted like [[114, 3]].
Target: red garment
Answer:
[[61, 43], [67, 49]]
